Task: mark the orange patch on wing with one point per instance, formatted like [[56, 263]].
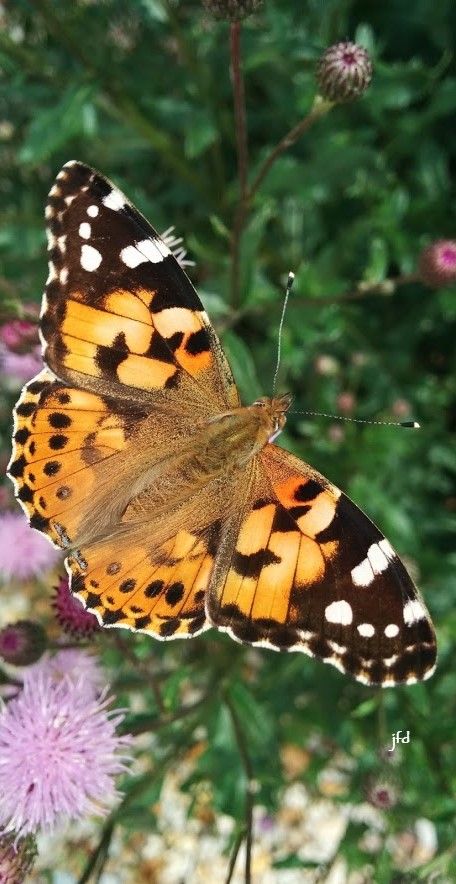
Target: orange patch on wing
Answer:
[[127, 304], [311, 564], [276, 580], [320, 515], [255, 530], [102, 328], [144, 372], [174, 319]]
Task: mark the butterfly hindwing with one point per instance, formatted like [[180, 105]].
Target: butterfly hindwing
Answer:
[[160, 591], [63, 438], [309, 572], [119, 313]]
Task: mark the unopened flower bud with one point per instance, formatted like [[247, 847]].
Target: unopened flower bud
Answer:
[[232, 10], [437, 263], [22, 643], [16, 859], [71, 614], [344, 72]]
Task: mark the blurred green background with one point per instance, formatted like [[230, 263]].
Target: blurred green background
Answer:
[[142, 91]]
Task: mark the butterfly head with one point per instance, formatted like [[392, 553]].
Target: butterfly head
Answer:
[[272, 411]]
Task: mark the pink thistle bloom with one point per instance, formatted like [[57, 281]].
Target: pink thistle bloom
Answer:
[[24, 553], [18, 334], [437, 263], [72, 665], [71, 614], [59, 755], [20, 367]]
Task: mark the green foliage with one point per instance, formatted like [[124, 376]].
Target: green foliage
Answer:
[[142, 92]]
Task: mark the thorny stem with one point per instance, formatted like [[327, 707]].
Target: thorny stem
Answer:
[[248, 770]]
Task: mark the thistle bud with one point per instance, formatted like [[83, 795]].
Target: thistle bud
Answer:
[[232, 10], [16, 860], [344, 72], [437, 263], [22, 643], [71, 614]]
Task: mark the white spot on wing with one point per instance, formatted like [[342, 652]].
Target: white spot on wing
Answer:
[[114, 200], [386, 547], [154, 250], [392, 630], [413, 611], [63, 275], [337, 648], [366, 630], [69, 199], [362, 575], [92, 211], [90, 258], [131, 257], [377, 558], [85, 230], [339, 612], [61, 242]]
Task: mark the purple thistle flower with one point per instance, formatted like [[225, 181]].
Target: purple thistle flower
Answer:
[[59, 754], [71, 614], [24, 553], [20, 367], [18, 334], [71, 665]]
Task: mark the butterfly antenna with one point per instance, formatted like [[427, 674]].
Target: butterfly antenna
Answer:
[[410, 425], [290, 281]]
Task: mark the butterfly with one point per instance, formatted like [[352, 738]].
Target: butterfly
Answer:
[[176, 510]]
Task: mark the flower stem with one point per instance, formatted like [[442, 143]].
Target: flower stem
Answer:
[[239, 106], [248, 770], [240, 126], [319, 109]]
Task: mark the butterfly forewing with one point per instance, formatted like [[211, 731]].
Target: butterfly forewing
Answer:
[[119, 313]]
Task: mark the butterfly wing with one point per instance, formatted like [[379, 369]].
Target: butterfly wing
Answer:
[[308, 571], [125, 337], [160, 591], [120, 316]]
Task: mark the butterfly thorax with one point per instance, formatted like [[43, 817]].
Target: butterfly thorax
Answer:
[[234, 437]]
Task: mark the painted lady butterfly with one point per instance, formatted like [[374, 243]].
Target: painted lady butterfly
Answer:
[[132, 452]]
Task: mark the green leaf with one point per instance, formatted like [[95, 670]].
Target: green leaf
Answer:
[[200, 133], [54, 127]]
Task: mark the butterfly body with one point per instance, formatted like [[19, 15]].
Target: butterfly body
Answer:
[[176, 510]]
